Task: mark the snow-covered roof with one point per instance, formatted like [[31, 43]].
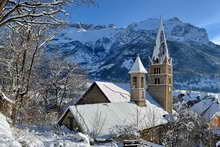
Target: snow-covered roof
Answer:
[[111, 91], [108, 115], [160, 49], [207, 108], [137, 67], [114, 93]]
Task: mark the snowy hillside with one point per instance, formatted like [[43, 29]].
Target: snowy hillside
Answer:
[[106, 51], [39, 136]]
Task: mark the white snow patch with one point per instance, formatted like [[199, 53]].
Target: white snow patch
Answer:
[[6, 136], [127, 64], [49, 136]]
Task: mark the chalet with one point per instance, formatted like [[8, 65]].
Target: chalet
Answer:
[[104, 106]]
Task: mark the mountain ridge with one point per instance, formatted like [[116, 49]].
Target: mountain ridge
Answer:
[[107, 51]]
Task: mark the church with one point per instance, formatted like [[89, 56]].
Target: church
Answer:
[[105, 105]]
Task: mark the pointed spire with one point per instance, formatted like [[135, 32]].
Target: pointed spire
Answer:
[[137, 67], [160, 50]]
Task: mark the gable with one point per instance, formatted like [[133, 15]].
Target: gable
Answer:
[[114, 93], [104, 92], [93, 95], [69, 121]]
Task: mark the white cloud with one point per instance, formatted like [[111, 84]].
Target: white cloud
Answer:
[[216, 40]]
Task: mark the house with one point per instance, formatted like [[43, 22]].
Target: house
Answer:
[[5, 105], [215, 120], [105, 107]]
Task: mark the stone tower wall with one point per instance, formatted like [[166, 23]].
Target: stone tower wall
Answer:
[[138, 91], [161, 91]]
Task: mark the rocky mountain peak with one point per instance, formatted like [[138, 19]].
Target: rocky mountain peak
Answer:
[[107, 52]]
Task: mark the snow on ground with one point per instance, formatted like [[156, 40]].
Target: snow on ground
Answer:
[[50, 136], [6, 136]]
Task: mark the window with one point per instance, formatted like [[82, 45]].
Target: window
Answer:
[[134, 84], [170, 81], [156, 70], [157, 81], [142, 82]]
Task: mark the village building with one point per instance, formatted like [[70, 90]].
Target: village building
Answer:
[[104, 106]]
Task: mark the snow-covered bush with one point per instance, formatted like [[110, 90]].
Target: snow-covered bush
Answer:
[[125, 132]]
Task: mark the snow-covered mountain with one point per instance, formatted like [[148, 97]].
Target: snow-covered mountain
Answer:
[[107, 52]]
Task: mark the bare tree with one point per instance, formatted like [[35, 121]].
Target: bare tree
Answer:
[[28, 27], [60, 82], [34, 11], [188, 129], [25, 44]]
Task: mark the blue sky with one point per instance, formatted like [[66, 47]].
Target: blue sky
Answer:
[[202, 13]]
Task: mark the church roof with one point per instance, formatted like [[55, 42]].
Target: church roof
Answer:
[[105, 117], [137, 67], [114, 93], [160, 49]]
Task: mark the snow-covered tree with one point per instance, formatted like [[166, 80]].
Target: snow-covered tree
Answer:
[[26, 28], [188, 129], [60, 82], [26, 12]]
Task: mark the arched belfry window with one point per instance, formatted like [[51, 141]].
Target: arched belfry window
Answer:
[[134, 82]]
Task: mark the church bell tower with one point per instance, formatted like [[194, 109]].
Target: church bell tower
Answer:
[[160, 74], [137, 85]]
